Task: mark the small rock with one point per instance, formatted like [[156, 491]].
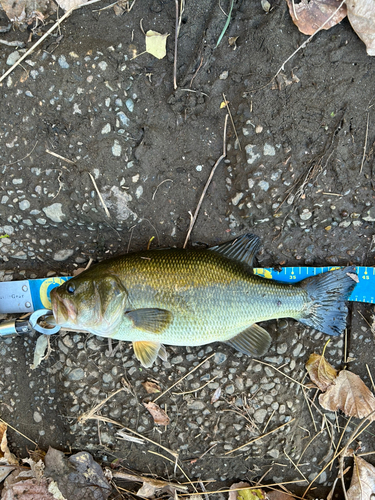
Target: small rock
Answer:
[[123, 118], [76, 374], [274, 453], [62, 255], [260, 415], [219, 358], [130, 105], [269, 150], [54, 212], [282, 348], [106, 129], [237, 199], [24, 205], [37, 417], [63, 62], [306, 214], [196, 405], [116, 148], [224, 75], [13, 57]]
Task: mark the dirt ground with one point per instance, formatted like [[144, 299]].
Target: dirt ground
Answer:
[[297, 176]]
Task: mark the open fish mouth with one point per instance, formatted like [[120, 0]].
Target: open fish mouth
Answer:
[[63, 309]]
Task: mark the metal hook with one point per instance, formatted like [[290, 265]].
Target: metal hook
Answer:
[[36, 315]]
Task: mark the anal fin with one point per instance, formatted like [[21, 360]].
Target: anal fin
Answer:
[[254, 341], [147, 352]]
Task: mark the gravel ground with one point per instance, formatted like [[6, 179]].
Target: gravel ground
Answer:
[[293, 176]]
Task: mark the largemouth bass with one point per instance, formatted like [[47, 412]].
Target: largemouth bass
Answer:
[[195, 297]]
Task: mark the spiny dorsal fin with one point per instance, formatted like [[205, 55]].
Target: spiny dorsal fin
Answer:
[[243, 249], [146, 352], [254, 341], [150, 319]]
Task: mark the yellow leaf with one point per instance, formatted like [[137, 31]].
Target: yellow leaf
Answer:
[[156, 44], [321, 372], [223, 105]]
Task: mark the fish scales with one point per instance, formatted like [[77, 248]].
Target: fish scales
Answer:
[[195, 297], [211, 298]]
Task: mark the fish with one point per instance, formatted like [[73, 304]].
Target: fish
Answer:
[[193, 297]]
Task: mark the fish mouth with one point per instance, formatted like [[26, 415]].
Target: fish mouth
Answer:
[[64, 310]]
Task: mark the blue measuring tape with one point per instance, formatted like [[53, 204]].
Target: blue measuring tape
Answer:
[[31, 295], [364, 291]]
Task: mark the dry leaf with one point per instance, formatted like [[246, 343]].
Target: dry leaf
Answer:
[[22, 11], [70, 4], [310, 15], [216, 395], [362, 486], [350, 395], [361, 14], [159, 415], [321, 372], [5, 455], [151, 387], [242, 491], [156, 44]]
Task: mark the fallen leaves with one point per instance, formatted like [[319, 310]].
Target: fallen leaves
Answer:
[[361, 15], [320, 371], [242, 491], [26, 11], [362, 486], [159, 415], [345, 391], [151, 387], [350, 395], [156, 44], [310, 15]]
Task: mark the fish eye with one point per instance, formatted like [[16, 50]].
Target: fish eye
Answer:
[[70, 288]]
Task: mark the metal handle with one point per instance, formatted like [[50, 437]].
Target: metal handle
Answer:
[[14, 327]]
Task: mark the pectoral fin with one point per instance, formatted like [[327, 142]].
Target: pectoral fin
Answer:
[[151, 320], [254, 341], [147, 352]]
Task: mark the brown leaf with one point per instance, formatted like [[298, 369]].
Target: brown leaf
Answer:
[[151, 387], [350, 395], [159, 415], [362, 486], [21, 11], [69, 4], [321, 372], [5, 454], [361, 14], [310, 15]]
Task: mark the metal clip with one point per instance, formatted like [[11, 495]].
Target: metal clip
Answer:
[[36, 315], [18, 326]]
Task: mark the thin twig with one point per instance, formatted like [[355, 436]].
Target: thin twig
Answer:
[[260, 437], [100, 196], [372, 382], [194, 390], [60, 157], [181, 379], [295, 466], [157, 187], [86, 416], [365, 145], [18, 432], [175, 48], [231, 119], [192, 222], [56, 25]]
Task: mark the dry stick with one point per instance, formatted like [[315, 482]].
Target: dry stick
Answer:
[[89, 414], [192, 222], [372, 382], [181, 379], [241, 489], [175, 48], [231, 119], [365, 145], [18, 432], [57, 24], [260, 437], [60, 157], [100, 196], [194, 390], [176, 466]]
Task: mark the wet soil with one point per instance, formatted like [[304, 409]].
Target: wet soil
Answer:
[[298, 172]]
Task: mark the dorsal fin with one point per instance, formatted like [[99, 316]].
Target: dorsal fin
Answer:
[[243, 249]]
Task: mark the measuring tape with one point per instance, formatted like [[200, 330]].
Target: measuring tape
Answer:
[[364, 291], [31, 295]]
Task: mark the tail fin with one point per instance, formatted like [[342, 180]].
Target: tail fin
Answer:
[[328, 292]]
